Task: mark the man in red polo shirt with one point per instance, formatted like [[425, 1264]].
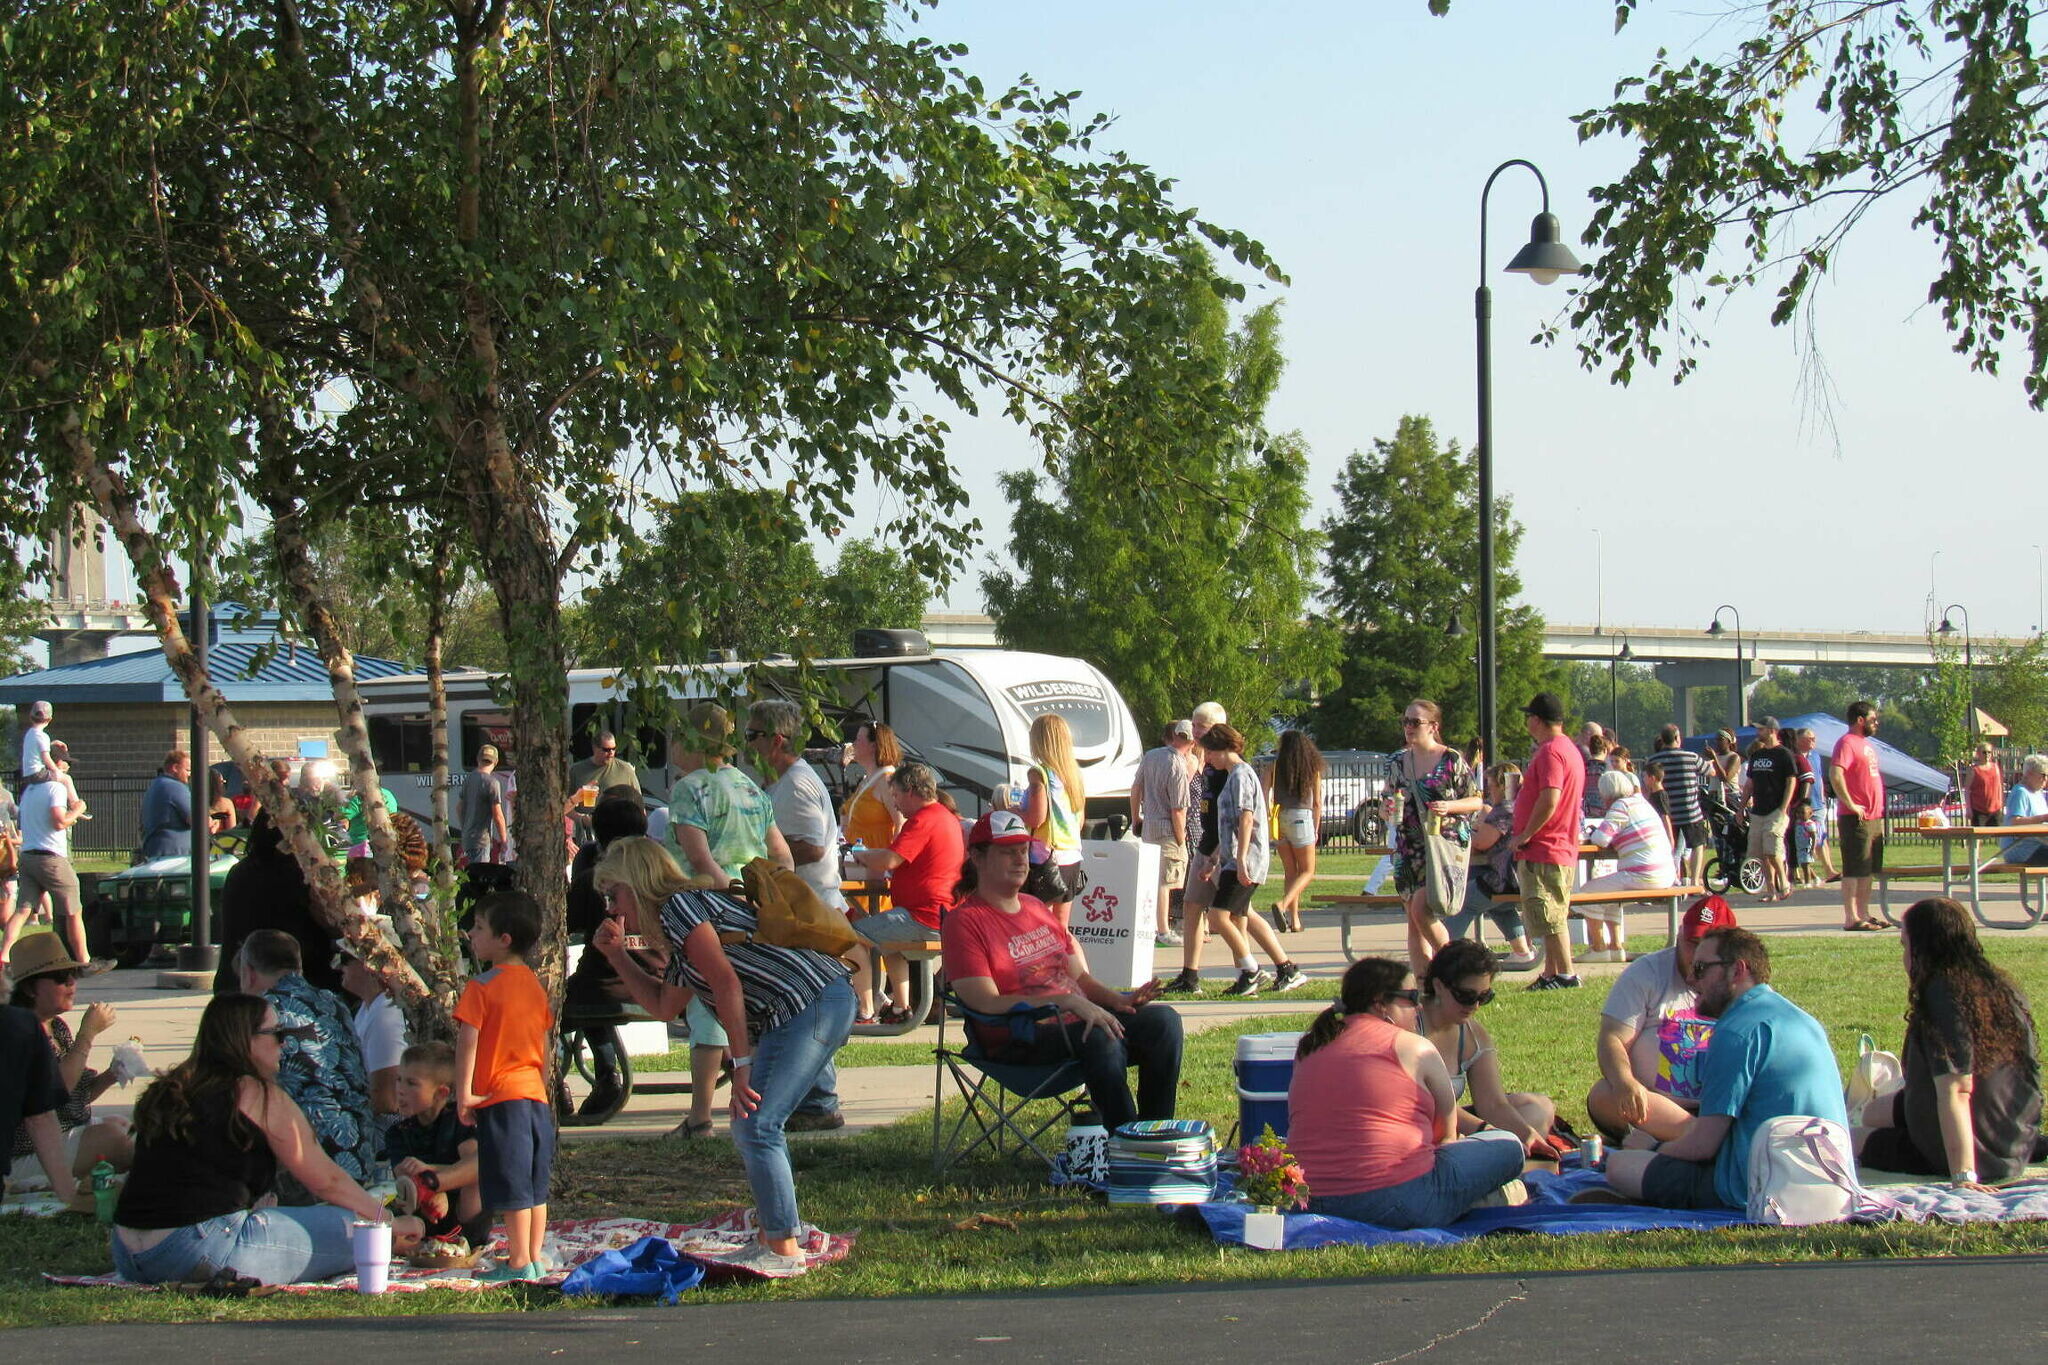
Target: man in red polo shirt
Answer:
[[1545, 837], [923, 863]]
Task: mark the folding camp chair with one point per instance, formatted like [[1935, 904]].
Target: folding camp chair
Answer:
[[998, 1094]]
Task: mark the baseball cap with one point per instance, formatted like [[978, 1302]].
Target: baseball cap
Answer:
[[1182, 729], [487, 754], [1767, 723], [999, 827], [1545, 707], [1705, 915]]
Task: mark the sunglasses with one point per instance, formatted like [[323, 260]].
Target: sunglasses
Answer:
[[757, 734], [305, 1033], [1414, 722], [1410, 996], [1468, 998], [607, 748], [67, 977], [1700, 969]]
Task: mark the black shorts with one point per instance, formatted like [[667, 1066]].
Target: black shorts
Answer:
[[1889, 1147], [1671, 1182], [1862, 845], [515, 1153], [1232, 896]]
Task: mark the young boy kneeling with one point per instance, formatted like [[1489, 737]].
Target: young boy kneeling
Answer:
[[432, 1147], [503, 1021]]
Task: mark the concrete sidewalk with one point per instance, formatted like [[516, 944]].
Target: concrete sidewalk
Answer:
[[163, 1021]]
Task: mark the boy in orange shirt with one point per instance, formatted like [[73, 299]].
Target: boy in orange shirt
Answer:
[[501, 1041]]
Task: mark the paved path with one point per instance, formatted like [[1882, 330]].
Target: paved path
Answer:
[[1863, 1311], [163, 1021]]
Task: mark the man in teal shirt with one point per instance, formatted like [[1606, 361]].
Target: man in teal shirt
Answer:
[[1770, 1059]]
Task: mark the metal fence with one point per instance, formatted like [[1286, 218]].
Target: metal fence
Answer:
[[114, 805]]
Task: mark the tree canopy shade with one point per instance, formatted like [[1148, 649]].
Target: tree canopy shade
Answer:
[[756, 587], [1402, 560], [1181, 572], [493, 262], [1754, 167]]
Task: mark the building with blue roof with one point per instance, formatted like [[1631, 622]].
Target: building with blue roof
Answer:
[[121, 714]]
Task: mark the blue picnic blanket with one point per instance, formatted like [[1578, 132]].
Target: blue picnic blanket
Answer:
[[1548, 1210]]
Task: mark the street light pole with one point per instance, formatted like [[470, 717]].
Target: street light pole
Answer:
[[1543, 259], [1969, 659], [1738, 704], [1614, 687]]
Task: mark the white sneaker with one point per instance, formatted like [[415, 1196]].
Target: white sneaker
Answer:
[[756, 1256], [1166, 938]]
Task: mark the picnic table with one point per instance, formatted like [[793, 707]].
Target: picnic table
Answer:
[[866, 897], [1966, 839]]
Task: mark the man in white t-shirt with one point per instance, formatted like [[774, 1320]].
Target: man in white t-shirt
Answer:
[[803, 808], [380, 1032], [1653, 1039], [804, 815], [49, 808]]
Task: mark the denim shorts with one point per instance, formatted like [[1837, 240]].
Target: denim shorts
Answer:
[[276, 1246]]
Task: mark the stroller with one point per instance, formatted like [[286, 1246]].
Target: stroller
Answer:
[[1730, 864]]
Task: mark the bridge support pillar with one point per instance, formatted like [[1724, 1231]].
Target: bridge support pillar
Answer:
[[1683, 675]]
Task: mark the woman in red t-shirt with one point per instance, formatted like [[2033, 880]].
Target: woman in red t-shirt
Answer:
[[1006, 951]]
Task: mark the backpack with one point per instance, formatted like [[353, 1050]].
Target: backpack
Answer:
[[1875, 1075], [789, 914], [1803, 1170]]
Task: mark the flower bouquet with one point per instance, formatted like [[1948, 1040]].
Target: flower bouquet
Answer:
[[1270, 1179]]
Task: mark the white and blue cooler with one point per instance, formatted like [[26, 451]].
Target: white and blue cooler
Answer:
[[1265, 1068]]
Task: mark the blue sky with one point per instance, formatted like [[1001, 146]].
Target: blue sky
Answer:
[[1353, 139]]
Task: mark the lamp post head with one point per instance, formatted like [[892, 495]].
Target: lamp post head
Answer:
[[1456, 629], [1947, 627], [1717, 628], [1626, 653], [1545, 257]]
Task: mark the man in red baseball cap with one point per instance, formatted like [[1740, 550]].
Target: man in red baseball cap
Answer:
[[1653, 1038]]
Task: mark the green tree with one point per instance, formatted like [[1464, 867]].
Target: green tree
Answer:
[[2013, 687], [466, 261], [1935, 102], [1944, 700], [1183, 576], [24, 606], [756, 586], [1402, 560], [1642, 703]]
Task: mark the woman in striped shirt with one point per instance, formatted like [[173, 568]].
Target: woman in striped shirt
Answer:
[[1634, 833], [786, 1011]]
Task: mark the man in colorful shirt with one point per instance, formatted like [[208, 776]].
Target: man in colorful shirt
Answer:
[[1653, 1039], [320, 1063]]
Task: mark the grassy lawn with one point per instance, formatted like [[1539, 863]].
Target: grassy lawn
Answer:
[[918, 1238]]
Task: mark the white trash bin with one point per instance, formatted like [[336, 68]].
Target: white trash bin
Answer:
[[1116, 918]]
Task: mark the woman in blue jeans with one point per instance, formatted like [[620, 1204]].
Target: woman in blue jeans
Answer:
[[1372, 1117], [210, 1137], [786, 1011]]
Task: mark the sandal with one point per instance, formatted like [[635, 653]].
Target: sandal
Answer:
[[1862, 926], [690, 1129]]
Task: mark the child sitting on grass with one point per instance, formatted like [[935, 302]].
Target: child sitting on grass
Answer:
[[434, 1149], [503, 1020]]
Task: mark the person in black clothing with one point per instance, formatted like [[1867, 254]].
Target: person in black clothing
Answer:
[[1773, 783], [31, 1092], [266, 890], [593, 990], [1971, 1106], [431, 1146]]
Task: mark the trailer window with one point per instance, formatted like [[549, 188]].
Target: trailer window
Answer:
[[402, 744], [487, 727], [1084, 705]]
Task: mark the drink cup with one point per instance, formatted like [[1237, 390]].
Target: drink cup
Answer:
[[372, 1245]]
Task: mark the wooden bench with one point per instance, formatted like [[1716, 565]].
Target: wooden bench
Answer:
[[1360, 906]]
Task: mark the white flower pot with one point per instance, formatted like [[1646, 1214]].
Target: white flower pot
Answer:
[[1266, 1228]]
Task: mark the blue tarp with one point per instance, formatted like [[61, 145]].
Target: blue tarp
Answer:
[[1909, 783], [1547, 1211]]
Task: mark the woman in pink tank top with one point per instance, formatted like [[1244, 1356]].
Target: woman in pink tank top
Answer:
[[1372, 1117]]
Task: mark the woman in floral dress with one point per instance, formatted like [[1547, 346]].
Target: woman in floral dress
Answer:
[[1431, 781]]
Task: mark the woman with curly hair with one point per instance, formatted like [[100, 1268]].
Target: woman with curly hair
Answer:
[[1971, 1107]]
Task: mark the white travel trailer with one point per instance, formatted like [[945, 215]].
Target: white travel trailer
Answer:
[[968, 713]]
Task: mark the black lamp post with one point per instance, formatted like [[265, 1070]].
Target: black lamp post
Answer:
[[1614, 687], [1740, 701], [1948, 627], [1543, 260]]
